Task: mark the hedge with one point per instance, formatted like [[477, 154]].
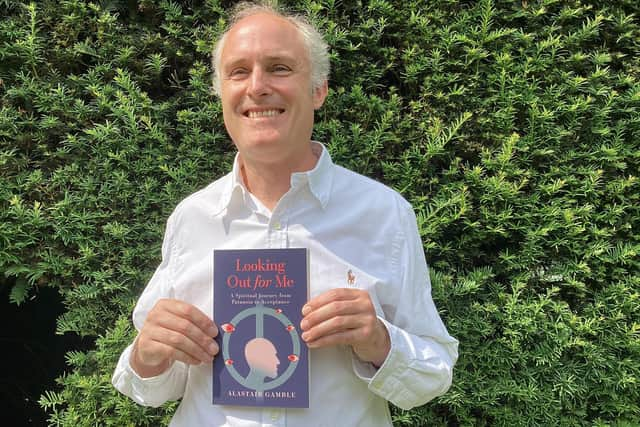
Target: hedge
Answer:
[[513, 127]]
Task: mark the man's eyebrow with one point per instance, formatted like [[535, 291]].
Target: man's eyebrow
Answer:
[[233, 62], [286, 57]]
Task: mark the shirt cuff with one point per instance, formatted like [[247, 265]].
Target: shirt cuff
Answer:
[[145, 391], [366, 371], [384, 380]]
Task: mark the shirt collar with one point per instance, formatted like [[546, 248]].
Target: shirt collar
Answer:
[[320, 180]]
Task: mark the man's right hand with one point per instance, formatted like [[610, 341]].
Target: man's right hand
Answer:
[[174, 330]]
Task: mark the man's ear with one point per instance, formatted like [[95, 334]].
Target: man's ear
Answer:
[[319, 94]]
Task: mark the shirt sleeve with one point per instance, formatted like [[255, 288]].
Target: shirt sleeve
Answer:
[[169, 385], [419, 366]]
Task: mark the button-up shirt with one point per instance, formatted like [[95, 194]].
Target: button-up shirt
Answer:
[[359, 233]]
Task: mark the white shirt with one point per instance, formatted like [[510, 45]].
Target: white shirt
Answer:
[[348, 222]]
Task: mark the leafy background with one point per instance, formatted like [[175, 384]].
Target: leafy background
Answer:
[[512, 126]]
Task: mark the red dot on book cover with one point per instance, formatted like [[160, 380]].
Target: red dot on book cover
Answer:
[[278, 310], [228, 328], [293, 358], [290, 328], [228, 362]]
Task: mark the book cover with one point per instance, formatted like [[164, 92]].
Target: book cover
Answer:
[[258, 296]]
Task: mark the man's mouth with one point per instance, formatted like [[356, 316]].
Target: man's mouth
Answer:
[[252, 114]]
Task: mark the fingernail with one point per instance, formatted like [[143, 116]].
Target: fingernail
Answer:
[[306, 310], [304, 336], [213, 348], [212, 331]]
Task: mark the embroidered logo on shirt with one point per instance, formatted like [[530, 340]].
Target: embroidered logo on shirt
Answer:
[[351, 278]]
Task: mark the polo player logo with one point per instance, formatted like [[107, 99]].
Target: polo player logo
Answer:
[[351, 278]]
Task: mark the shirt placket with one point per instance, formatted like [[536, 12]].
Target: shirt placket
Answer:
[[277, 232], [275, 417], [276, 238]]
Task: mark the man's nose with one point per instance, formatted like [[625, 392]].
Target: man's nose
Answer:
[[259, 83]]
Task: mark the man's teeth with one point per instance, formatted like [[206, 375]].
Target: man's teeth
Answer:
[[267, 113]]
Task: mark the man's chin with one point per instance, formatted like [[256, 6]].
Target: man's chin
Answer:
[[263, 146]]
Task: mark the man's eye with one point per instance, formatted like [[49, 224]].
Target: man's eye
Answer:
[[281, 69], [237, 72]]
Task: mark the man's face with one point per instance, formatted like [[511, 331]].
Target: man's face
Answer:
[[267, 100]]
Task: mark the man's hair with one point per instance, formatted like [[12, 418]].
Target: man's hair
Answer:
[[317, 49]]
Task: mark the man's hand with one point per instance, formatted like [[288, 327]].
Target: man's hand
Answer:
[[173, 330], [346, 316]]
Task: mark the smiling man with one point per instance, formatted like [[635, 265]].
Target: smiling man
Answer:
[[374, 333], [268, 102]]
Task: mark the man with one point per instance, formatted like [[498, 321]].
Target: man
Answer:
[[372, 328]]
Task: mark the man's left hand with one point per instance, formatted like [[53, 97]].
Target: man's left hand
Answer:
[[346, 316]]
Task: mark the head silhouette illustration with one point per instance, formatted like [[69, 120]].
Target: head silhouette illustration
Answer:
[[262, 360]]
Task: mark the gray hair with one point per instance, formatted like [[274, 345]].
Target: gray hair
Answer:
[[317, 48]]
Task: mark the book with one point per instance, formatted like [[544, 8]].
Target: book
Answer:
[[258, 296]]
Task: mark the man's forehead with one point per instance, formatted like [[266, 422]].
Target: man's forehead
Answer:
[[265, 24], [271, 36]]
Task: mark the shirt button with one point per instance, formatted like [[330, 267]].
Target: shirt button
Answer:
[[275, 414]]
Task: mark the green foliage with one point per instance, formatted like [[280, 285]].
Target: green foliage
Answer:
[[512, 127]]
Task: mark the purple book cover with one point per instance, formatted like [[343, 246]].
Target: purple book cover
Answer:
[[258, 296]]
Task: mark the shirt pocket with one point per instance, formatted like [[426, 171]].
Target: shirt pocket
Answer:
[[334, 272]]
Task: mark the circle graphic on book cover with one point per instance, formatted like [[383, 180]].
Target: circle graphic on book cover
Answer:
[[265, 366]]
